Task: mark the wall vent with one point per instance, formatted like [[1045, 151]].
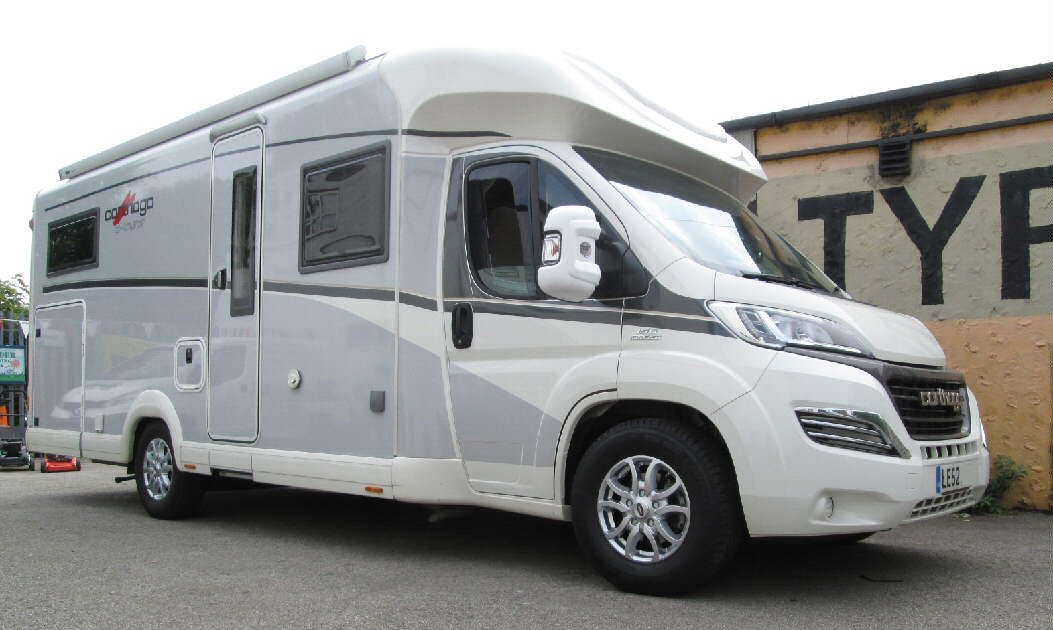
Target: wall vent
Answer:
[[894, 158]]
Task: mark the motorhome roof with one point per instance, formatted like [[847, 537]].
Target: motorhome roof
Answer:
[[560, 97], [514, 94], [325, 69]]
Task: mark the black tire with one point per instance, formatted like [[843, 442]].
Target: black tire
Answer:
[[716, 528], [183, 495], [32, 464], [77, 467], [44, 464]]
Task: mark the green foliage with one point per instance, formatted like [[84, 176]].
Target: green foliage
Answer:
[[1004, 474], [14, 296]]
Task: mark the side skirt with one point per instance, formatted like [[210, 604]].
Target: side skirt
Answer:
[[410, 479]]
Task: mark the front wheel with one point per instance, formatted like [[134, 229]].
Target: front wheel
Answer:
[[655, 507], [166, 492]]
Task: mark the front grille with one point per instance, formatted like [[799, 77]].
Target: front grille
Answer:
[[944, 422], [942, 504], [852, 430], [947, 451]]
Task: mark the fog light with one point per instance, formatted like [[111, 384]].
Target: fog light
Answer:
[[828, 507]]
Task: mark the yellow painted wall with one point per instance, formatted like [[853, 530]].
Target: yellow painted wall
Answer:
[[1002, 345]]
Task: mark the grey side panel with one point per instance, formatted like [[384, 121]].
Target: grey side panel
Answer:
[[342, 355], [58, 377], [422, 184], [424, 425], [423, 421], [491, 421]]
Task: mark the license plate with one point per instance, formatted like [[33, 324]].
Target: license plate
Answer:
[[949, 478]]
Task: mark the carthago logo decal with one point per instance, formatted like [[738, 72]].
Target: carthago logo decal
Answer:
[[130, 206]]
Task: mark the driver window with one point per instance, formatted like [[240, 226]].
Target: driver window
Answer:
[[505, 221], [500, 236]]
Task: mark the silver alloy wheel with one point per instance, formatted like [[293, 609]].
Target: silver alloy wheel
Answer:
[[644, 509], [157, 469]]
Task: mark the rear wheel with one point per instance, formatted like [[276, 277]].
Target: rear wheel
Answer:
[[32, 463], [44, 464], [655, 508], [166, 492]]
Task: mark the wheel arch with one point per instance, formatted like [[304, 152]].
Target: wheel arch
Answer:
[[150, 406], [597, 416]]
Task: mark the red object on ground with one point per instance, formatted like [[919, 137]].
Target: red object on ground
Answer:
[[59, 463]]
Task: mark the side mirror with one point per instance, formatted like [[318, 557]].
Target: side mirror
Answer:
[[568, 260]]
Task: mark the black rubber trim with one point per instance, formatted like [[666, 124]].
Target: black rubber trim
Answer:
[[412, 299], [884, 370], [121, 283], [358, 293]]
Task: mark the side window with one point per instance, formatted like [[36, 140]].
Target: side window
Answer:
[[501, 232], [243, 244], [344, 212], [73, 243]]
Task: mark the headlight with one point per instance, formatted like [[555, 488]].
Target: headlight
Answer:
[[776, 328]]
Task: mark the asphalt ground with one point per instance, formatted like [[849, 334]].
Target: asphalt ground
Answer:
[[78, 551]]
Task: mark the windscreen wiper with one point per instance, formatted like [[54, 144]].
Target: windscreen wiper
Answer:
[[793, 282]]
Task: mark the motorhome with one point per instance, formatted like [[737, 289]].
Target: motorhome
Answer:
[[484, 278]]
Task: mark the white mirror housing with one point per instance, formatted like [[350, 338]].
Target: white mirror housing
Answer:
[[568, 270]]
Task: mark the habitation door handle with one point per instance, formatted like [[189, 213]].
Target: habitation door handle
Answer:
[[461, 316], [219, 281]]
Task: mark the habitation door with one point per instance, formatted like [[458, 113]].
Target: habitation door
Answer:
[[233, 348]]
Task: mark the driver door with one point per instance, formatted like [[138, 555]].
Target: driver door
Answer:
[[514, 352]]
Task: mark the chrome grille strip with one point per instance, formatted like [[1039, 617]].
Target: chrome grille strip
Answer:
[[850, 429], [943, 504]]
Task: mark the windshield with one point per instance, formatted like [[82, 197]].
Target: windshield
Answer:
[[706, 224]]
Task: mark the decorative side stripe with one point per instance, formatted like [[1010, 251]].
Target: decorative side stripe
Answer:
[[669, 321], [454, 134], [358, 293], [193, 283], [587, 315], [412, 299]]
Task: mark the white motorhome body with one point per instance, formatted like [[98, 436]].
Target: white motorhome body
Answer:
[[331, 283]]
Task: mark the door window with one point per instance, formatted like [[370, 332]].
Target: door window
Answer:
[[243, 244], [501, 234], [506, 205]]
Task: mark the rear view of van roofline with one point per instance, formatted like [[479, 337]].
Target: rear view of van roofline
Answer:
[[481, 277]]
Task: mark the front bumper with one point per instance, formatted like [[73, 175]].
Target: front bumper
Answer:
[[788, 482]]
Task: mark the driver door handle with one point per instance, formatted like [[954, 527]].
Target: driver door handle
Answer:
[[461, 319]]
